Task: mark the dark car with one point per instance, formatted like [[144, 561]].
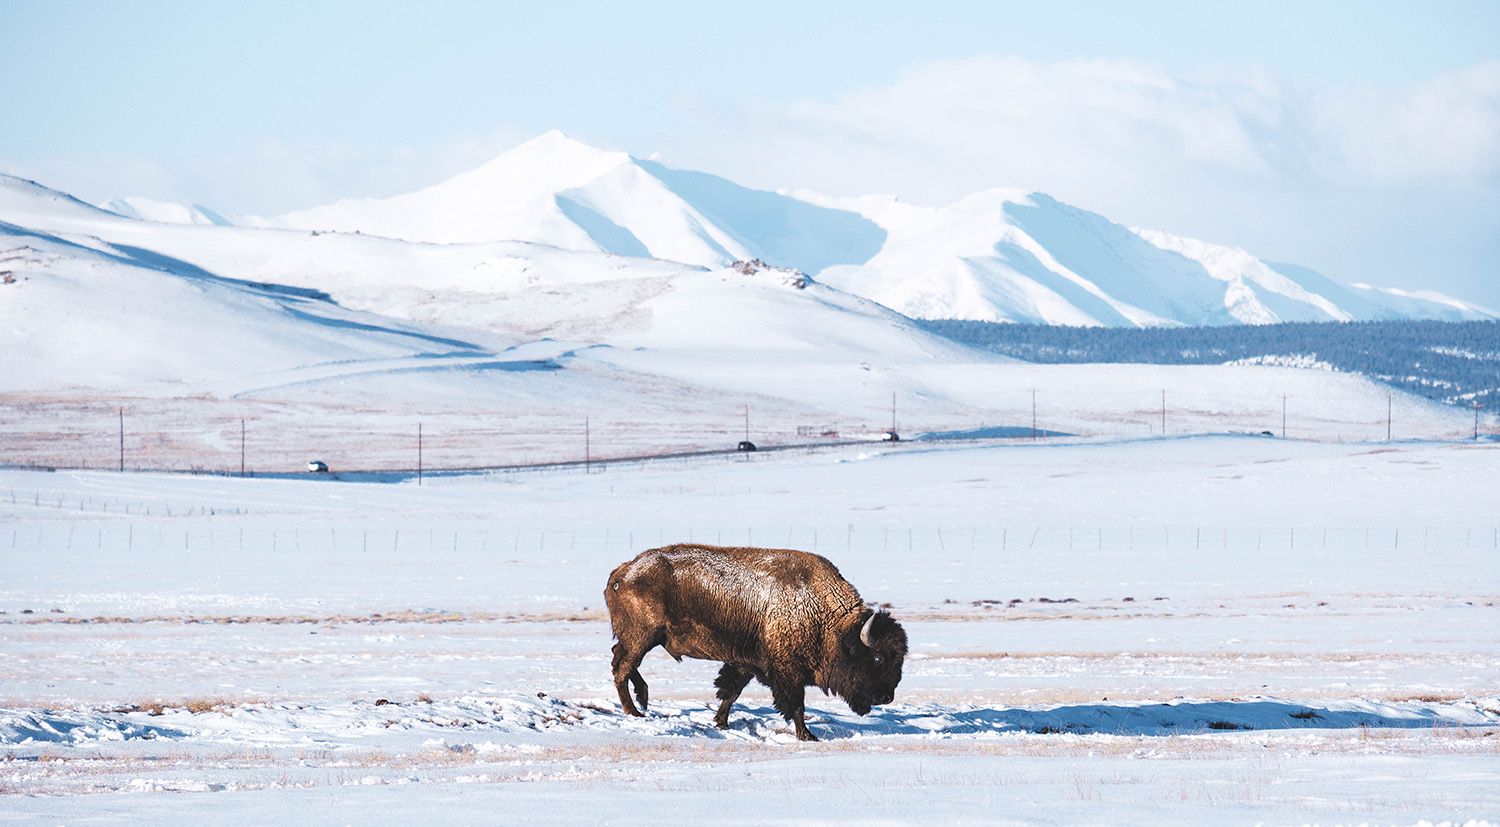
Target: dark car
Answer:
[[745, 445]]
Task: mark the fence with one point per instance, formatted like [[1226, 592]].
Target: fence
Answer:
[[235, 436], [217, 531]]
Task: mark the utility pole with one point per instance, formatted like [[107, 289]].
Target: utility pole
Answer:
[[419, 453], [1476, 421], [1163, 411], [122, 440], [242, 447], [1390, 399], [747, 423], [893, 412], [1283, 416], [1033, 414], [587, 448]]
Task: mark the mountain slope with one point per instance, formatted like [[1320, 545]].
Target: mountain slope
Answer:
[[1263, 292], [558, 191], [85, 313], [167, 212], [198, 306], [1013, 256]]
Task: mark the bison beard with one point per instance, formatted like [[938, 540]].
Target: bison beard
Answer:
[[785, 618]]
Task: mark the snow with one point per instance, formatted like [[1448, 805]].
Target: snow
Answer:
[[1168, 630], [1013, 256], [558, 191], [1255, 293], [149, 209], [70, 296]]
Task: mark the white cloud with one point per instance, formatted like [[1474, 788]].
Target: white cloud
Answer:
[[1445, 132], [1357, 181], [948, 128]]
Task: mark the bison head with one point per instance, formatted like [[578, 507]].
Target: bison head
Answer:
[[869, 664]]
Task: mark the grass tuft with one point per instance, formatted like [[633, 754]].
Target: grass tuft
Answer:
[[195, 706], [1226, 725]]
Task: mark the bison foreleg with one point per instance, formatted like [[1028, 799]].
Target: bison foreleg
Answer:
[[731, 682], [642, 693], [788, 696], [626, 665]]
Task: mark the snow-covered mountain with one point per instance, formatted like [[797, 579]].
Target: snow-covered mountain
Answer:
[[998, 255], [167, 212], [559, 191], [94, 299], [1013, 256]]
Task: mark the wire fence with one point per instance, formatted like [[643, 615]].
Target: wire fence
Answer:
[[260, 438], [246, 537]]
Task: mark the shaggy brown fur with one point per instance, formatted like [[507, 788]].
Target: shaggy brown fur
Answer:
[[786, 618]]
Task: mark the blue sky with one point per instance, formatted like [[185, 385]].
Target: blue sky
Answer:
[[1295, 129]]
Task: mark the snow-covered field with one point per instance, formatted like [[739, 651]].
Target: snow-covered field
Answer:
[[1203, 630]]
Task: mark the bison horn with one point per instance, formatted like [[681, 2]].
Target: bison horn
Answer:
[[864, 631]]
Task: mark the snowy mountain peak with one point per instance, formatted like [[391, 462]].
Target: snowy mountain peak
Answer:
[[557, 142], [997, 198], [552, 159], [166, 212], [557, 190]]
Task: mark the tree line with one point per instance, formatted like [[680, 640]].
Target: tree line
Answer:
[[1453, 362]]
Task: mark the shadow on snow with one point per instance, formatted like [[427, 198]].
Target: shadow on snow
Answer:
[[1159, 719]]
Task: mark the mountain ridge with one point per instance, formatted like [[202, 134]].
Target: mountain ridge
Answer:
[[996, 255]]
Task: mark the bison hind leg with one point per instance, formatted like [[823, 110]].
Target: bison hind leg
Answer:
[[731, 682]]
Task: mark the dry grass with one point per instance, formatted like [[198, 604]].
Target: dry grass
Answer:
[[1210, 657], [1003, 615], [1434, 697], [195, 706], [405, 616], [1226, 725]]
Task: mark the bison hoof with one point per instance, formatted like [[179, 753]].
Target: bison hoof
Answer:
[[721, 723], [804, 735]]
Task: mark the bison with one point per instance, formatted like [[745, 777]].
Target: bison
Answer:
[[785, 618]]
